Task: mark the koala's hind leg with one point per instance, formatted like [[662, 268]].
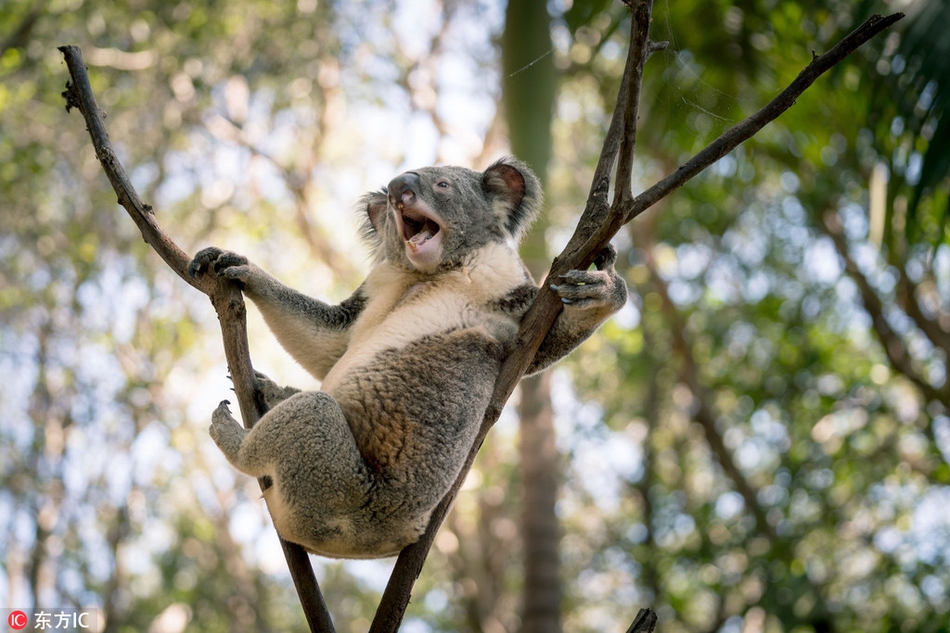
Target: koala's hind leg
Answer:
[[320, 480], [304, 433]]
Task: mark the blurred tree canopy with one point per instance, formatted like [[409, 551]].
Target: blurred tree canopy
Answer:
[[759, 441]]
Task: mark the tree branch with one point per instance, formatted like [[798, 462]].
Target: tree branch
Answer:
[[398, 591], [704, 412], [637, 56], [892, 343], [595, 229], [725, 143], [225, 297], [645, 622], [907, 299]]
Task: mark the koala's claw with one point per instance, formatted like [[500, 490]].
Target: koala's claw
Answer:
[[220, 419], [227, 261], [222, 413], [226, 432], [598, 289], [606, 258], [203, 260], [222, 263]]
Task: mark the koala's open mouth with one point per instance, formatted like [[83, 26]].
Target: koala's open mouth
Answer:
[[417, 229], [420, 227]]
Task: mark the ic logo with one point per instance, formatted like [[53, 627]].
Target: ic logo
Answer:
[[18, 620]]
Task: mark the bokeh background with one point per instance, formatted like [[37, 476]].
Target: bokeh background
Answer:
[[758, 441]]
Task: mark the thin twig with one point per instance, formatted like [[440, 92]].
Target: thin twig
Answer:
[[225, 297], [638, 53], [728, 141]]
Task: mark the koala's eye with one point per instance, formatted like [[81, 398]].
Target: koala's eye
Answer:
[[442, 184]]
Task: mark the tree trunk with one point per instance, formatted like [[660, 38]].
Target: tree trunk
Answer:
[[540, 526], [528, 91]]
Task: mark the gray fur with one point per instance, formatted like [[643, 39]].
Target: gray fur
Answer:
[[408, 362]]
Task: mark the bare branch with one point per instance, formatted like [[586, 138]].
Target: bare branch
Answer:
[[645, 622], [593, 232], [79, 94], [705, 414], [225, 297], [894, 346], [638, 53], [583, 255], [409, 564]]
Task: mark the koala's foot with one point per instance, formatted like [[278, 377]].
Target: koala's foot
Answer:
[[226, 432], [598, 290], [272, 392]]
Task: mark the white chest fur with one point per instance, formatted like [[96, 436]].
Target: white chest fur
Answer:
[[404, 307]]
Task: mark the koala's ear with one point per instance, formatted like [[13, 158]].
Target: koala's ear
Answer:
[[373, 208], [516, 194]]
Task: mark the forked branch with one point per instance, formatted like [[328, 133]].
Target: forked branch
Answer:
[[597, 226]]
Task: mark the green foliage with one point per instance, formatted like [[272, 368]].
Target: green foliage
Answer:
[[910, 93], [839, 454], [256, 125]]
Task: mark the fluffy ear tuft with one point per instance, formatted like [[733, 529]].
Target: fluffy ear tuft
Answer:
[[372, 208], [516, 194]]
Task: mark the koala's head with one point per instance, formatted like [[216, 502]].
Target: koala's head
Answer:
[[430, 219]]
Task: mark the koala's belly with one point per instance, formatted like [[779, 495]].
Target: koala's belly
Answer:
[[414, 411]]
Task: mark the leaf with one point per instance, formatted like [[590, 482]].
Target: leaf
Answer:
[[918, 84]]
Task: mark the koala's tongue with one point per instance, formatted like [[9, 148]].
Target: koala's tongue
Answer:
[[425, 234]]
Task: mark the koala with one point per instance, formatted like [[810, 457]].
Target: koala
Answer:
[[407, 364]]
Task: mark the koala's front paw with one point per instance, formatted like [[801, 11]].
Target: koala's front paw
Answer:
[[226, 432], [222, 263], [272, 392], [204, 260], [599, 290]]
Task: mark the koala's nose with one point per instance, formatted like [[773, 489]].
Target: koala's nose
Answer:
[[404, 188]]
